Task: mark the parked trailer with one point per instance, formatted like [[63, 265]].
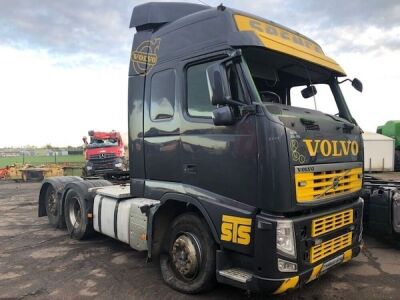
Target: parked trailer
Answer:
[[229, 182], [378, 152], [382, 206]]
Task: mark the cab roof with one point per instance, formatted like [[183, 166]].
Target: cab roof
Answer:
[[188, 27]]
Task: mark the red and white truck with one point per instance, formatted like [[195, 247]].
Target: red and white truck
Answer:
[[104, 152]]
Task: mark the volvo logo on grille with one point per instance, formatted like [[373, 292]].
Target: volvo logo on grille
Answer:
[[335, 183]]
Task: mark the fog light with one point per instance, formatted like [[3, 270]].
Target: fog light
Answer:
[[118, 165], [286, 266]]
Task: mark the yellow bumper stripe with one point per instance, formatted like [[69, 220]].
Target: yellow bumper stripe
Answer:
[[347, 255], [315, 273], [287, 284]]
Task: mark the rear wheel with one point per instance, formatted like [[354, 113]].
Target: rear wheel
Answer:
[[52, 207], [188, 262], [76, 216]]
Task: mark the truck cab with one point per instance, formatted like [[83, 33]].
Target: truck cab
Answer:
[[246, 164], [221, 116]]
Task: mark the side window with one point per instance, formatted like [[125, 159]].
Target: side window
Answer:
[[234, 83], [162, 95], [198, 95]]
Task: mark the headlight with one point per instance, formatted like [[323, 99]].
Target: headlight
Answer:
[[89, 168], [285, 242], [118, 165]]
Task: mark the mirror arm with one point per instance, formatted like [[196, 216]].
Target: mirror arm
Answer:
[[229, 101], [347, 79]]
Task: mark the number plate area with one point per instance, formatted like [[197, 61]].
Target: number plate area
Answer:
[[331, 263]]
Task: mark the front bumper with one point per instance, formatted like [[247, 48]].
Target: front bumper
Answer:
[[103, 166], [257, 283], [279, 286], [260, 270]]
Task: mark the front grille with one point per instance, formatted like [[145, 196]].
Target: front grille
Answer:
[[102, 156], [331, 222], [330, 247], [312, 186]]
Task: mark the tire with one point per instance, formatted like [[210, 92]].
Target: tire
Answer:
[[397, 160], [52, 206], [75, 211], [188, 260]]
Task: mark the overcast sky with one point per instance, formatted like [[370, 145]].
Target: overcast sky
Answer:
[[64, 64]]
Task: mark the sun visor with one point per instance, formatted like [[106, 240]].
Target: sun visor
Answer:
[[284, 40]]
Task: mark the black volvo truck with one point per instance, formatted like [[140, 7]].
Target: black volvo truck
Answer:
[[236, 176]]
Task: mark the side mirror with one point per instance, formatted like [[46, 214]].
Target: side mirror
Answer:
[[84, 139], [217, 84], [217, 80], [309, 91], [357, 84], [223, 116]]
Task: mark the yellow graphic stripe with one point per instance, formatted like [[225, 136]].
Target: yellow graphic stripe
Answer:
[[236, 220], [289, 42], [287, 284]]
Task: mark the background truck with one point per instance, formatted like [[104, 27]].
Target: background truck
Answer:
[[392, 130], [237, 177], [104, 153]]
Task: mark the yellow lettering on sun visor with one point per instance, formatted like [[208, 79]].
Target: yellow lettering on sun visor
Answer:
[[282, 40]]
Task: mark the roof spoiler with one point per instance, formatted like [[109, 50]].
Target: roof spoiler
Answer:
[[153, 15]]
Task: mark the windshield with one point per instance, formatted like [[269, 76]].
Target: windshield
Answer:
[[282, 80], [99, 143]]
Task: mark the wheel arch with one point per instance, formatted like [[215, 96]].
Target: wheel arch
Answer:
[[160, 217], [58, 184], [82, 188]]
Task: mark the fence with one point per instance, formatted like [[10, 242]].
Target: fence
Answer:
[[54, 158]]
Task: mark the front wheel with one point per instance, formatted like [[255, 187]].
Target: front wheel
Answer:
[[188, 262]]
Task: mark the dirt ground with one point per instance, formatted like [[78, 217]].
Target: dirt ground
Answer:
[[38, 261]]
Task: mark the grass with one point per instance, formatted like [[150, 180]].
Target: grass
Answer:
[[40, 160]]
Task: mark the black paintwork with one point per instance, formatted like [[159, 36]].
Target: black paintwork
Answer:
[[245, 169]]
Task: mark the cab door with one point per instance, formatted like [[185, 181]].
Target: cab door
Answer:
[[217, 159], [161, 126]]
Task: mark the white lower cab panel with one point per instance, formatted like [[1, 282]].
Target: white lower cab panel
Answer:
[[122, 219]]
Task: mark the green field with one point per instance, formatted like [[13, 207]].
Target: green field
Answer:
[[39, 160]]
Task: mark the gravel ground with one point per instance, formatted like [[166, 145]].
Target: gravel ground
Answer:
[[38, 261]]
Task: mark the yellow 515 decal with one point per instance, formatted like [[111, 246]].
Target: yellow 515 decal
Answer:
[[236, 230]]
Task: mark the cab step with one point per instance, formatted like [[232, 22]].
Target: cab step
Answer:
[[239, 275]]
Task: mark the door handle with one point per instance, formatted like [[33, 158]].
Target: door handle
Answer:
[[190, 169]]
